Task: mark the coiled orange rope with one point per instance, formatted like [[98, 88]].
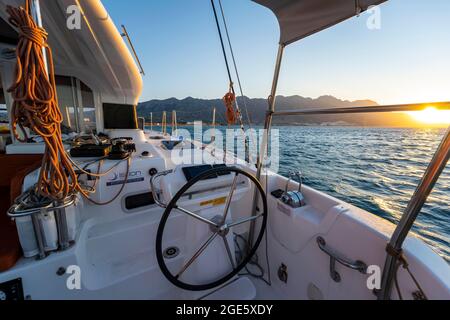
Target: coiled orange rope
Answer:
[[229, 100], [36, 107], [35, 104]]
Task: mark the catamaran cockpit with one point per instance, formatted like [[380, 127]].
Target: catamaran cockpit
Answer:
[[94, 206]]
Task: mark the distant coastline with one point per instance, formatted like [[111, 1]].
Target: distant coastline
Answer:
[[311, 125], [192, 109]]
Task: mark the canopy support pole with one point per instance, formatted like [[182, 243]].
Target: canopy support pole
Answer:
[[432, 174], [265, 141]]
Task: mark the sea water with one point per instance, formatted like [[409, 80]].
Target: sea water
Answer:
[[375, 169]]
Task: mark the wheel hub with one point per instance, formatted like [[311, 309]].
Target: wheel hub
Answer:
[[222, 228]]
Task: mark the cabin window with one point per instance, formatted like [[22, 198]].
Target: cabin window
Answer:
[[67, 102], [76, 101], [88, 108]]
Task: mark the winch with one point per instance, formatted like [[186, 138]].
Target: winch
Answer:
[[294, 199]]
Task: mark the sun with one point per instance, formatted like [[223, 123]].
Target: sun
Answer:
[[431, 116]]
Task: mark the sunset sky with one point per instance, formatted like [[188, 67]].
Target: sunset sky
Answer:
[[408, 60]]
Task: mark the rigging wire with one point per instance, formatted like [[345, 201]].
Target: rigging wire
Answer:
[[254, 261], [403, 262], [234, 62], [232, 90], [222, 45], [249, 121]]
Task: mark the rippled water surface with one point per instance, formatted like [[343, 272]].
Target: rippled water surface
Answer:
[[376, 169]]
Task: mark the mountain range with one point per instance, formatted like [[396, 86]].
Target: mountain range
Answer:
[[192, 109]]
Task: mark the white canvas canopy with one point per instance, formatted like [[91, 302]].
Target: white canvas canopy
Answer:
[[301, 18]]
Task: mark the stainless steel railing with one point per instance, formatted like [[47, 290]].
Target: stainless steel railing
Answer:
[[432, 174], [138, 61], [335, 256], [364, 109]]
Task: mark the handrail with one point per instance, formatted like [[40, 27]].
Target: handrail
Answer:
[[365, 109], [126, 35], [154, 190], [338, 257]]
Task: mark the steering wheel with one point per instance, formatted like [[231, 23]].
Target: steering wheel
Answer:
[[219, 227]]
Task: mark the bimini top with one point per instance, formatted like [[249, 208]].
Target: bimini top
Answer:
[[301, 18]]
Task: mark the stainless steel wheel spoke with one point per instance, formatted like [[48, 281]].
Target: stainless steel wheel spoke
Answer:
[[230, 196], [198, 217], [196, 255], [245, 220], [225, 241]]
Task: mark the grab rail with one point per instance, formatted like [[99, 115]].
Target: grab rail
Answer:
[[340, 258], [154, 190], [126, 35]]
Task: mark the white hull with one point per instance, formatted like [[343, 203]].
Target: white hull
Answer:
[[115, 250]]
